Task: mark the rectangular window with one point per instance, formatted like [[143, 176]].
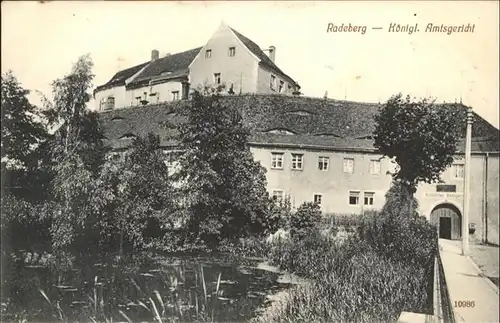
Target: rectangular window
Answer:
[[175, 95], [185, 90], [272, 82], [280, 88], [277, 160], [348, 165], [374, 166], [289, 88], [317, 198], [278, 195], [297, 161], [110, 103], [323, 163], [232, 51], [208, 53], [369, 198], [353, 197], [458, 170], [217, 78]]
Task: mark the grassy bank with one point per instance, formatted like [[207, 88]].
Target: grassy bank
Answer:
[[373, 276]]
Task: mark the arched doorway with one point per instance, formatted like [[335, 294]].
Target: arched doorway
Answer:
[[448, 219]]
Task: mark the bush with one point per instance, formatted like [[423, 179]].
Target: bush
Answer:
[[373, 276], [306, 218], [396, 234], [281, 211], [25, 226]]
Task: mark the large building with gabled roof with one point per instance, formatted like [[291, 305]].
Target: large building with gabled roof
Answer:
[[313, 149], [228, 58], [322, 150]]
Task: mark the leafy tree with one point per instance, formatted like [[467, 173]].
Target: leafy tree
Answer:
[[21, 131], [77, 152], [225, 187], [133, 196], [24, 178], [22, 134], [420, 135]]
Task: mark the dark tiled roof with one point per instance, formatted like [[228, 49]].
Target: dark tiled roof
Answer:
[[311, 141], [264, 59], [176, 64], [330, 124], [120, 77]]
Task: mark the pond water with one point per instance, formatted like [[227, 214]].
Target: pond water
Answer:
[[171, 289]]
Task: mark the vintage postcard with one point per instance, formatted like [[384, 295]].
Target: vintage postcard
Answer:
[[250, 161]]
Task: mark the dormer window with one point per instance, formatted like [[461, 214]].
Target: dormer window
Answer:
[[280, 131], [128, 136], [272, 82], [110, 103], [280, 88], [232, 51], [208, 53], [217, 78]]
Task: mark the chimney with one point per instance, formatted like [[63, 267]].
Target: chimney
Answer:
[[155, 54], [272, 53]]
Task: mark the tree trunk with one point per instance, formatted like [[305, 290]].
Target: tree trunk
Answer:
[[121, 244], [411, 204]]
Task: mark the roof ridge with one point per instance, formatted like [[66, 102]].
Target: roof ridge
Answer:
[[257, 51], [121, 76], [171, 63]]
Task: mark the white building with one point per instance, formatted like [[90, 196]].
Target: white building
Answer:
[[228, 58]]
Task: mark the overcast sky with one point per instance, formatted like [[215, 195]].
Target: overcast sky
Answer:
[[40, 42]]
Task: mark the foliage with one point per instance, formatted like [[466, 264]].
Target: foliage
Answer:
[[24, 138], [22, 130], [225, 188], [24, 226], [246, 247], [307, 216], [385, 269], [304, 256], [396, 234], [371, 289], [421, 136], [77, 151], [399, 201], [138, 289], [132, 197], [280, 213], [341, 219]]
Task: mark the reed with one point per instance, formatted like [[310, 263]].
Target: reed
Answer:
[[182, 296]]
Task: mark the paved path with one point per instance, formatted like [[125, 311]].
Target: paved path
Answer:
[[466, 284], [486, 258]]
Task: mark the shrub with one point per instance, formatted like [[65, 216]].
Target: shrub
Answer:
[[395, 233], [25, 226], [281, 211], [302, 222], [371, 277]]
